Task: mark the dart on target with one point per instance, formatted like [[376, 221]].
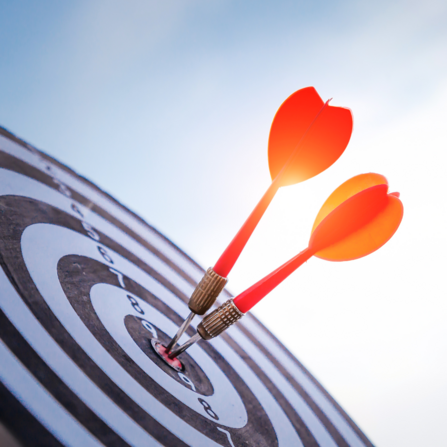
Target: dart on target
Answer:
[[306, 137], [358, 218]]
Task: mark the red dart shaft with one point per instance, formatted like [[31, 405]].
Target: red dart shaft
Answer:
[[246, 300], [349, 217], [231, 254]]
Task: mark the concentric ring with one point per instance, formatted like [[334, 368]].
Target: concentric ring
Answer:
[[67, 251]]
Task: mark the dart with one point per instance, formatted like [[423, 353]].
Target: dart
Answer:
[[306, 137], [358, 218]]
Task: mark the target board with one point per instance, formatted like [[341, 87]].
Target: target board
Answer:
[[86, 285]]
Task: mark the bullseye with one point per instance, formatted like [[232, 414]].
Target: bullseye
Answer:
[[160, 350]]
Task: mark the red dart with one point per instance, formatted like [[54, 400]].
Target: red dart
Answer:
[[356, 220], [306, 137]]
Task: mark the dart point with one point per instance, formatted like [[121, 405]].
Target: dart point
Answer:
[[162, 352]]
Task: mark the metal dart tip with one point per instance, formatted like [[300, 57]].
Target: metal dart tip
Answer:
[[180, 332], [212, 325], [195, 338]]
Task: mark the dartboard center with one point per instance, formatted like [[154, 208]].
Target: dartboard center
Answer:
[[160, 350]]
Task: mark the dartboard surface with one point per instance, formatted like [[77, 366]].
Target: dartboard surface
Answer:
[[85, 286]]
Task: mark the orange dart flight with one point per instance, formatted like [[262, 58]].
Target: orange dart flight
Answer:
[[356, 220]]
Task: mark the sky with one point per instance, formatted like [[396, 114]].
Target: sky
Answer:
[[167, 106]]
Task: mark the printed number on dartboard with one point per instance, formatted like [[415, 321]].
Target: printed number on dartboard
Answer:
[[208, 409]]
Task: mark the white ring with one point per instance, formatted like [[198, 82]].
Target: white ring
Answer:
[[111, 305]]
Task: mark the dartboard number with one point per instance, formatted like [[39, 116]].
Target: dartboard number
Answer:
[[188, 381], [87, 227], [76, 209], [120, 277], [90, 231], [104, 254], [62, 188], [208, 410], [135, 304], [148, 327]]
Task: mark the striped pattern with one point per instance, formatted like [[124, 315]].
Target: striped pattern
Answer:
[[53, 391]]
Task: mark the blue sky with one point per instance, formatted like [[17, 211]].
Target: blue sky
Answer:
[[167, 106]]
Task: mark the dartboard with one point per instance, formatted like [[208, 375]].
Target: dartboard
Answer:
[[86, 288]]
